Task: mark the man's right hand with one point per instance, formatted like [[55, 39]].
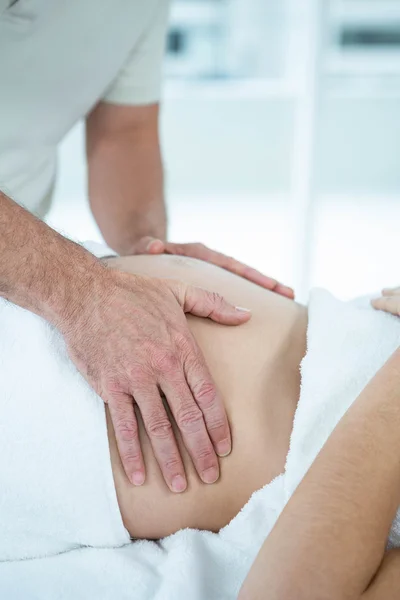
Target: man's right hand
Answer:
[[129, 338]]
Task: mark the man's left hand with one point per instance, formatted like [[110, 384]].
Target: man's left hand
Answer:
[[150, 245]]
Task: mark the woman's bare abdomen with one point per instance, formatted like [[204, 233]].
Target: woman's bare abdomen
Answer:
[[256, 369]]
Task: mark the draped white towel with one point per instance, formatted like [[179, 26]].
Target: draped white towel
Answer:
[[347, 343]]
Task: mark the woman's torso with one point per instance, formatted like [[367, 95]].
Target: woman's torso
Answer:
[[256, 369]]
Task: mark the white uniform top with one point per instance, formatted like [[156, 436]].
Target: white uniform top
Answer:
[[58, 58]]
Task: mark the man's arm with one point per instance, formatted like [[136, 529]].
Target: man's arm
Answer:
[[126, 189], [330, 539], [129, 338], [125, 173], [41, 270]]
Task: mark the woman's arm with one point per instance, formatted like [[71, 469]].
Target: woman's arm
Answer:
[[329, 541], [386, 584]]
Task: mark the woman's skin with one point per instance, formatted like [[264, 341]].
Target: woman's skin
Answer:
[[329, 541], [256, 368]]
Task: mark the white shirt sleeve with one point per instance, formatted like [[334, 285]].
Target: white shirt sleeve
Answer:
[[139, 80]]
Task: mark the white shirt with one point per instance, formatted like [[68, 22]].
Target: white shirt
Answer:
[[58, 58]]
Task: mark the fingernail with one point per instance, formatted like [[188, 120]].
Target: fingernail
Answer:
[[178, 484], [241, 309], [224, 448], [149, 245], [210, 475], [138, 478]]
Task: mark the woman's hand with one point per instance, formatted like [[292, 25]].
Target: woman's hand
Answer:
[[150, 245], [389, 301]]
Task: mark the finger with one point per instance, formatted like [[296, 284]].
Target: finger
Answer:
[[284, 290], [390, 291], [190, 421], [161, 436], [202, 303], [127, 435], [390, 304], [148, 245], [266, 282], [209, 401], [229, 264], [155, 246], [141, 245]]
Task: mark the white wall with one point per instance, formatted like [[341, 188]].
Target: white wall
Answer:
[[230, 143]]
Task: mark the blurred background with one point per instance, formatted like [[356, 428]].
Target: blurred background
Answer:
[[281, 139]]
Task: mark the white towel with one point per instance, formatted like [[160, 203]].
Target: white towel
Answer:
[[347, 343], [56, 484]]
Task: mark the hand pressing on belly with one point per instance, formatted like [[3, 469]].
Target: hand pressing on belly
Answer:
[[389, 301], [150, 245], [129, 338]]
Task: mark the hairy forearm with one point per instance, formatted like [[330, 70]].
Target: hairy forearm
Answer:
[[41, 270], [126, 188], [330, 539]]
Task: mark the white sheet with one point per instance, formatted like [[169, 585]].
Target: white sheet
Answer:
[[188, 565]]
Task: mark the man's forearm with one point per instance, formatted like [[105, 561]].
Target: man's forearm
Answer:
[[41, 270], [126, 186], [329, 541]]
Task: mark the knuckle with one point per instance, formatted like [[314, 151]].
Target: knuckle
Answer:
[[216, 424], [206, 394], [216, 299], [131, 457], [127, 429], [189, 419], [178, 248], [158, 427], [206, 455], [115, 385], [171, 464], [164, 361]]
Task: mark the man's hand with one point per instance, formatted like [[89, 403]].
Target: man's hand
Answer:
[[129, 338], [149, 245], [389, 301]]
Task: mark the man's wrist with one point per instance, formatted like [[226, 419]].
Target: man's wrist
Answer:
[[40, 270], [74, 273]]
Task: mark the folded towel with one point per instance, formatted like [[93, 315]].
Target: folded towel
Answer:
[[347, 343], [56, 485]]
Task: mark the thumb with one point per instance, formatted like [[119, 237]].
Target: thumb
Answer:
[[149, 245], [202, 303]]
